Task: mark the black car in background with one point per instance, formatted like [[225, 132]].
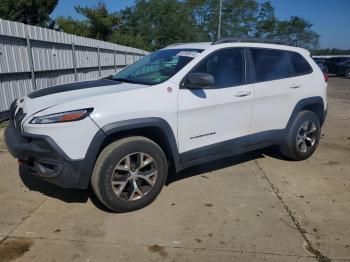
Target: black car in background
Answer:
[[320, 62], [322, 67], [343, 68], [331, 63]]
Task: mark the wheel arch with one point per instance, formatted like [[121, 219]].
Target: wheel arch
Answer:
[[314, 104], [154, 128]]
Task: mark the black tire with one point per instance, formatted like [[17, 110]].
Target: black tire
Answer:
[[105, 166], [293, 148], [347, 73]]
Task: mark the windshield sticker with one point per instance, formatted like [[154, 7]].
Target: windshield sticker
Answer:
[[188, 53]]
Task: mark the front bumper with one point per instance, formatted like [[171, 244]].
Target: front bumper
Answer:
[[45, 158]]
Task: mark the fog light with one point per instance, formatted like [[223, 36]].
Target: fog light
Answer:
[[46, 169]]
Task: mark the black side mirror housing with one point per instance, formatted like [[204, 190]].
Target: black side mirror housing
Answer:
[[200, 80]]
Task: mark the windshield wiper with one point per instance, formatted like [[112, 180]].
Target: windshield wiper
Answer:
[[125, 80]]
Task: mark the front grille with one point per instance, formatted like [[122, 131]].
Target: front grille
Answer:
[[16, 116], [19, 116], [13, 108]]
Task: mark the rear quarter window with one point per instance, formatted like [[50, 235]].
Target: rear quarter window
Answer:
[[299, 64]]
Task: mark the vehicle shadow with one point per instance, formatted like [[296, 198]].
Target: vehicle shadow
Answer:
[[223, 163], [34, 183], [212, 166]]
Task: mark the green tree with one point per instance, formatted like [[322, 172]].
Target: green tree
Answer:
[[239, 18], [136, 41], [73, 26], [330, 51], [98, 22], [32, 12], [159, 22], [206, 16], [266, 22], [153, 24], [297, 31]]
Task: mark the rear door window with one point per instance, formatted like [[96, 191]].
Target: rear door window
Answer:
[[270, 64]]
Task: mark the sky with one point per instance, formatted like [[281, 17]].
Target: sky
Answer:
[[331, 18]]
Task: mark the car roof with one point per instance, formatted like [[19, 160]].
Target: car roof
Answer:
[[210, 45], [200, 45]]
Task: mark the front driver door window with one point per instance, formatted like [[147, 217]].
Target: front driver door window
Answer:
[[226, 66]]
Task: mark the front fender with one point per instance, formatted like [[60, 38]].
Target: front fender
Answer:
[[98, 142]]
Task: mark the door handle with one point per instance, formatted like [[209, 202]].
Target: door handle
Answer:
[[295, 86], [243, 93]]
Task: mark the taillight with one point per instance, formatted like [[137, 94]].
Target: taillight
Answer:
[[325, 76]]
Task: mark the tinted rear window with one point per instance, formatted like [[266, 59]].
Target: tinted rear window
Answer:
[[270, 64], [299, 64]]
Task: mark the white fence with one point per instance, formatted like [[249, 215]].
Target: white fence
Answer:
[[32, 58]]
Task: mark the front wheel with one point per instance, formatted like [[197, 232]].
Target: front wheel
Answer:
[[302, 137], [129, 174]]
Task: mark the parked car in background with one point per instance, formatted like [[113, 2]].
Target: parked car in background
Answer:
[[343, 68], [322, 66], [320, 62], [331, 63]]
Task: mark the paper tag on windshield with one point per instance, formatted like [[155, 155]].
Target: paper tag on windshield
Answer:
[[188, 53]]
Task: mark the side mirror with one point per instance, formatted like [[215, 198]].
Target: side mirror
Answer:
[[200, 80]]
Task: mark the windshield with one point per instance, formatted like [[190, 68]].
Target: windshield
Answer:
[[156, 67]]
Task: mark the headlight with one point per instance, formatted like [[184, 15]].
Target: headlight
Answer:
[[62, 117]]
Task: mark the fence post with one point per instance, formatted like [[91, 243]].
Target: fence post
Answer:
[[133, 57], [31, 63], [115, 62], [126, 59], [99, 61], [74, 63]]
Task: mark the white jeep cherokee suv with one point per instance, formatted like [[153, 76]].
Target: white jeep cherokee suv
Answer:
[[180, 106]]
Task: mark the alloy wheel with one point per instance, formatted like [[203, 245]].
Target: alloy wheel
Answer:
[[134, 176], [306, 136]]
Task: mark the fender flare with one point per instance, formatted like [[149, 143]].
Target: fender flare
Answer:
[[125, 125], [306, 102]]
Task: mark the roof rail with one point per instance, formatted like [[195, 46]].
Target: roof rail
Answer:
[[250, 40], [176, 44]]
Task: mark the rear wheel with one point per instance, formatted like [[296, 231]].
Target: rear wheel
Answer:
[[303, 136], [129, 174]]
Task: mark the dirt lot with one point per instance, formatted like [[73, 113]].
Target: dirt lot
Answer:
[[253, 207]]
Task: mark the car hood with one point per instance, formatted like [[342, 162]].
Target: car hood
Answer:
[[51, 96]]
